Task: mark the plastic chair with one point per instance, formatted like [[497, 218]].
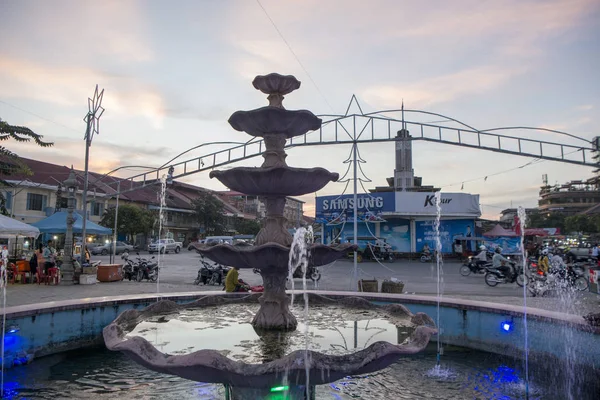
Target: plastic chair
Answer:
[[16, 271], [41, 276], [53, 275]]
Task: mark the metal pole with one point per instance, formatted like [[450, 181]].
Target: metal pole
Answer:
[[114, 250], [355, 207], [67, 265], [85, 183]]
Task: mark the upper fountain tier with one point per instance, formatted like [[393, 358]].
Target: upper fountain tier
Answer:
[[275, 119]]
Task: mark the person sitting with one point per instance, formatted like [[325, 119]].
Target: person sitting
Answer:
[[233, 284], [544, 262], [481, 257], [426, 249], [501, 263]]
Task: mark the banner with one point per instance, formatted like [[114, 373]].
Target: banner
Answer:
[[449, 229], [396, 233], [510, 245], [424, 203]]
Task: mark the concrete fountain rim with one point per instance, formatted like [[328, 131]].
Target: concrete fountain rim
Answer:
[[212, 366], [575, 321]]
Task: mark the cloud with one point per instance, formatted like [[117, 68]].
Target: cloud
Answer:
[[585, 107], [442, 88], [71, 86], [84, 30]]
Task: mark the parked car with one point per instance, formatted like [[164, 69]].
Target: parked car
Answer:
[[370, 248], [193, 244], [580, 253], [107, 248], [212, 240], [164, 246], [243, 240]]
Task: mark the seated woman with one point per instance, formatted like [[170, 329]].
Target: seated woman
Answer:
[[233, 284]]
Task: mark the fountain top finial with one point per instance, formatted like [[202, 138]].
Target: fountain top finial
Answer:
[[276, 86]]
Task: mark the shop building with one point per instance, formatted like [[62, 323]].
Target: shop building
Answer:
[[406, 220], [403, 213]]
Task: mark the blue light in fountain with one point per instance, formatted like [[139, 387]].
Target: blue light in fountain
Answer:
[[507, 326]]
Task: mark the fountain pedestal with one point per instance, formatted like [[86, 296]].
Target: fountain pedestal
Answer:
[[274, 312]]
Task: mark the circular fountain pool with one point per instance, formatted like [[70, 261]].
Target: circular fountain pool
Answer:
[[331, 330], [101, 374]]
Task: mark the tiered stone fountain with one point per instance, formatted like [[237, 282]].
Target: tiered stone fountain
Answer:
[[273, 181]]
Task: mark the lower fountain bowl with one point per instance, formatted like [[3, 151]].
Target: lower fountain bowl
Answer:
[[270, 254], [246, 358], [275, 181]]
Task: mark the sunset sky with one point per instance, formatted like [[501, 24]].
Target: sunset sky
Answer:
[[173, 72]]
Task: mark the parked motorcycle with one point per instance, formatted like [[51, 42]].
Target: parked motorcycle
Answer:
[[130, 268], [210, 274], [425, 257], [571, 278], [312, 272], [147, 269], [473, 266], [494, 276]]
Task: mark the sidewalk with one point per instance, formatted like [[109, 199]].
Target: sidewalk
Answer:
[[17, 294]]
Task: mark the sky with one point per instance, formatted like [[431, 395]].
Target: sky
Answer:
[[173, 73]]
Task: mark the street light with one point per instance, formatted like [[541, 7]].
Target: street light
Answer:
[[67, 265]]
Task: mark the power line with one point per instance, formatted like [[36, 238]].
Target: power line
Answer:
[[294, 54], [38, 116]]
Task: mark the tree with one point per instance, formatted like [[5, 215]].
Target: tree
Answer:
[[551, 220], [132, 220], [247, 226], [581, 223], [10, 163], [208, 211]]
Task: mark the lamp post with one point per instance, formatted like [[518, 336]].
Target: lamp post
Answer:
[[67, 265]]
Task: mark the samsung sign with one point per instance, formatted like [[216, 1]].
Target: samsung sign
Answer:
[[400, 203], [365, 202]]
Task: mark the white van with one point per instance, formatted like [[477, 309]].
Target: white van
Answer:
[[213, 240]]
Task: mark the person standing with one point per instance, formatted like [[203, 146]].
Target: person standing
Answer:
[[49, 256], [595, 252]]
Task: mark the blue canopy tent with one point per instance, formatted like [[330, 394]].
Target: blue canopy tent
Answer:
[[57, 223]]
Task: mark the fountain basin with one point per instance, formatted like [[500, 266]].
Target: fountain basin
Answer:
[[270, 254], [216, 367], [275, 120], [275, 181]]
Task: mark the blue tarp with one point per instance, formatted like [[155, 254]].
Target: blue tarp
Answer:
[[57, 223]]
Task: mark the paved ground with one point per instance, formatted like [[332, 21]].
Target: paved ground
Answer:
[[179, 271]]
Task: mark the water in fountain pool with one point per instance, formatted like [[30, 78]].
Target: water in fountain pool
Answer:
[[101, 374], [328, 329]]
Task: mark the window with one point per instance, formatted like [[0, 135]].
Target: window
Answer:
[[36, 202], [8, 196], [97, 208]]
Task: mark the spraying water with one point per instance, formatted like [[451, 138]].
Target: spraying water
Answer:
[[522, 218], [301, 242], [438, 261], [438, 371], [3, 282]]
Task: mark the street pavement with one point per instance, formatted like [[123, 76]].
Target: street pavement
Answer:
[[178, 272]]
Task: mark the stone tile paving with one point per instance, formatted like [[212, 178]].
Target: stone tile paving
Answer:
[[179, 271]]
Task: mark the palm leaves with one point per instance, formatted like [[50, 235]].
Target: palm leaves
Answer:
[[10, 163]]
